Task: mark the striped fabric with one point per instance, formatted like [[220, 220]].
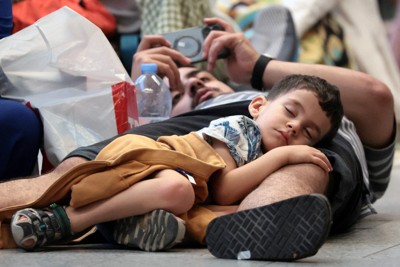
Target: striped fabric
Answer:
[[379, 164], [229, 98], [348, 131]]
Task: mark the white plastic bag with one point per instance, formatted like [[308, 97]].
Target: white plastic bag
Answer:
[[64, 66]]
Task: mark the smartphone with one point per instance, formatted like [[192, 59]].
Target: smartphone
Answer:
[[190, 41]]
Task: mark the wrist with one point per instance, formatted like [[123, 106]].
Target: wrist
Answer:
[[258, 72]]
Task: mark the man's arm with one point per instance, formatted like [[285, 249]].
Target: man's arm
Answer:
[[367, 101]]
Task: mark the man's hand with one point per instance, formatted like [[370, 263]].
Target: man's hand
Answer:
[[242, 57], [155, 49]]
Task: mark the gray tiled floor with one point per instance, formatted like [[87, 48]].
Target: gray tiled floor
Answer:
[[375, 241]]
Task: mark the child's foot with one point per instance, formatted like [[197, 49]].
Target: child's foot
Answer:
[[153, 231], [34, 228]]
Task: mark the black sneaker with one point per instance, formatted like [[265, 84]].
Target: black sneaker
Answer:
[[284, 231], [153, 231]]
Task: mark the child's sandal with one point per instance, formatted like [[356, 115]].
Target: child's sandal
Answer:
[[34, 228]]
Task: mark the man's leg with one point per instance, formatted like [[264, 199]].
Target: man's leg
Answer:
[[285, 218], [288, 182], [22, 191]]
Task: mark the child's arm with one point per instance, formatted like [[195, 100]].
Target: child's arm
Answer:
[[233, 184]]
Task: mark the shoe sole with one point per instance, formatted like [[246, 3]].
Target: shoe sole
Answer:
[[153, 231], [284, 231]]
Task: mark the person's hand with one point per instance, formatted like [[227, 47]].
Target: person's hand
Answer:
[[242, 57], [296, 154], [156, 49]]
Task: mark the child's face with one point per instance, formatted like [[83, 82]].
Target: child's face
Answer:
[[295, 118]]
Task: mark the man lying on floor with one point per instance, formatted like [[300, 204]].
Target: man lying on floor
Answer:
[[295, 189]]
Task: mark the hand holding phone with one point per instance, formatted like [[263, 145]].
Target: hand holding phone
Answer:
[[190, 41]]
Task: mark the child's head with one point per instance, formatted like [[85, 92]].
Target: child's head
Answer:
[[299, 109]]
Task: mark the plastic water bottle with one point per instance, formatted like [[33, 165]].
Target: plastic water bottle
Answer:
[[153, 96]]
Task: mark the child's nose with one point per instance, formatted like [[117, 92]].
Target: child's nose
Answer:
[[293, 126]]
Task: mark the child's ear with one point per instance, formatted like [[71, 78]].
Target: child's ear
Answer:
[[257, 105]]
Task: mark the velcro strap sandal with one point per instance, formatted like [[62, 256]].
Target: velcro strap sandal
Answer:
[[35, 228]]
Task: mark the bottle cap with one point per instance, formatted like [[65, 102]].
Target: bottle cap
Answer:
[[149, 68]]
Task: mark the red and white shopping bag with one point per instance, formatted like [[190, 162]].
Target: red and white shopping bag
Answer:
[[64, 66]]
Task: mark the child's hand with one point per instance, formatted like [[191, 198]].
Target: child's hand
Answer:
[[304, 154]]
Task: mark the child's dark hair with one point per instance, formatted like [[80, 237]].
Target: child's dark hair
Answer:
[[327, 94]]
